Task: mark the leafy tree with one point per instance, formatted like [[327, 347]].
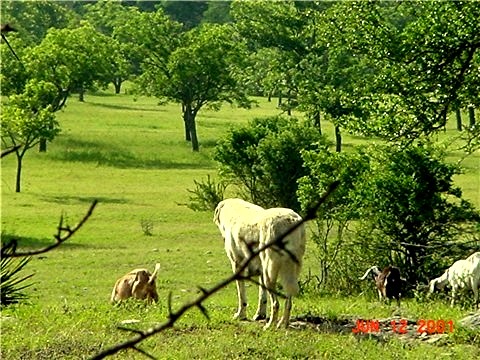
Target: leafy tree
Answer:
[[273, 30], [75, 60], [203, 72], [106, 17], [263, 159], [297, 64], [34, 18], [70, 59], [27, 118], [423, 58], [218, 12], [189, 13], [196, 69], [13, 75]]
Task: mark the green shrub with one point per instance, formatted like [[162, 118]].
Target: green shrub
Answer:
[[206, 195], [394, 206], [263, 159]]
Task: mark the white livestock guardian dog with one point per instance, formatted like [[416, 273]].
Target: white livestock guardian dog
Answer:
[[245, 227]]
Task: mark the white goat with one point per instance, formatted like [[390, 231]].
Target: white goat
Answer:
[[245, 227], [463, 273]]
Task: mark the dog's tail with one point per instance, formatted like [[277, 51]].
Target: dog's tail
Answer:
[[153, 277]]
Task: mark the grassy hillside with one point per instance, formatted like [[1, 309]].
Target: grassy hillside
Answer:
[[132, 157]]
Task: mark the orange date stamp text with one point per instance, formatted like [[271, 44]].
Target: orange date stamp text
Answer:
[[401, 326]]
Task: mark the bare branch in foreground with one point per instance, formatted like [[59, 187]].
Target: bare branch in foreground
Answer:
[[63, 234], [6, 28], [10, 150], [206, 293]]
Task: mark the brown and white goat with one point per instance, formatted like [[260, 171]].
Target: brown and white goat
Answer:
[[388, 282], [138, 283]]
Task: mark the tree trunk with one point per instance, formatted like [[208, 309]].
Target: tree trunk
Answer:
[[338, 139], [458, 115], [81, 95], [42, 145], [189, 117], [186, 123], [117, 83], [193, 133], [317, 120], [19, 173], [471, 115], [289, 103]]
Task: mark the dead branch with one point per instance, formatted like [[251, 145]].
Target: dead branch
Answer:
[[64, 232], [206, 293], [6, 28], [10, 150]]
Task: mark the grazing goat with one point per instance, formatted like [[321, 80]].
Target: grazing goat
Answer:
[[138, 283], [245, 227], [463, 273], [388, 282]]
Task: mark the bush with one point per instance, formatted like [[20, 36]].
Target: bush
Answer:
[[263, 159], [206, 195], [394, 206]]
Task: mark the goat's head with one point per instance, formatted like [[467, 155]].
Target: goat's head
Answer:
[[144, 286]]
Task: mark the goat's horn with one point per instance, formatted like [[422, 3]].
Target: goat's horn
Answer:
[[366, 273], [155, 272]]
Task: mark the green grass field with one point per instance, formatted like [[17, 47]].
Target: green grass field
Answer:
[[131, 156]]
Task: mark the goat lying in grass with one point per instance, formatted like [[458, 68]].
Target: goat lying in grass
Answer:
[[245, 227], [388, 282], [463, 273], [138, 283]]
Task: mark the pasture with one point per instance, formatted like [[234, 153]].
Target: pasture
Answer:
[[131, 156]]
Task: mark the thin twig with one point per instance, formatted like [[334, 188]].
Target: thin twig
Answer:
[[206, 293], [63, 234], [11, 49]]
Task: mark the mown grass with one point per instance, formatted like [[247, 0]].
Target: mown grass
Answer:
[[132, 157]]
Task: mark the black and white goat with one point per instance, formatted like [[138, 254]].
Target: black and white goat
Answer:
[[463, 273], [388, 282], [245, 227]]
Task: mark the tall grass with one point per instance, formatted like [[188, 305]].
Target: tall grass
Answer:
[[130, 154]]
